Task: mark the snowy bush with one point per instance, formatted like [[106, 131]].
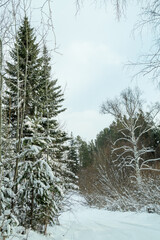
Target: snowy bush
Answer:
[[116, 195], [8, 222]]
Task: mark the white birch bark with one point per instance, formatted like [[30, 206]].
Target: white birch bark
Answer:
[[127, 111], [1, 163]]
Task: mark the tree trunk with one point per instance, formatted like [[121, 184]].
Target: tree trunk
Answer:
[[45, 226], [1, 167], [136, 157], [138, 174], [18, 137], [32, 208]]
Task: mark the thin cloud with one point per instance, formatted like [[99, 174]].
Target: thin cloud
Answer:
[[93, 53]]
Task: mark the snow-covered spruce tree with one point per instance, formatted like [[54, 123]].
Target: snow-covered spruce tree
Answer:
[[22, 73], [85, 153], [8, 221], [73, 155], [50, 106], [49, 102], [41, 171], [44, 153], [38, 184], [26, 65], [49, 93]]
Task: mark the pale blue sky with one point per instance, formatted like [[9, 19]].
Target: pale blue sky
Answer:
[[95, 47]]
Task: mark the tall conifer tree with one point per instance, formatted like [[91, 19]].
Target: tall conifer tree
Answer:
[[25, 68], [33, 101], [22, 75]]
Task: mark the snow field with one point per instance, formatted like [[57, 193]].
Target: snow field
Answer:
[[84, 223]]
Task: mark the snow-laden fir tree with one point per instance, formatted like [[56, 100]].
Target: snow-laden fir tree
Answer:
[[44, 153], [38, 183], [22, 74], [24, 67], [73, 164], [49, 108], [8, 221], [49, 102], [41, 173]]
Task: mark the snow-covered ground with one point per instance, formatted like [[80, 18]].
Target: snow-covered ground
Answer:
[[84, 223]]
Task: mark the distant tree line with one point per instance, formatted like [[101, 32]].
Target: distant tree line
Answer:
[[125, 157]]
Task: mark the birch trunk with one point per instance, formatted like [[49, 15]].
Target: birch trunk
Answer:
[[25, 89], [1, 166], [18, 126], [136, 157]]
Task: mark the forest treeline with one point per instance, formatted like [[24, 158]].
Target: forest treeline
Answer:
[[120, 169]]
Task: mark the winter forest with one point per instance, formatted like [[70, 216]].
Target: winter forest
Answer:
[[47, 172]]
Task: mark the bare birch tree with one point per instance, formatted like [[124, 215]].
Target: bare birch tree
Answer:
[[131, 150], [119, 5]]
